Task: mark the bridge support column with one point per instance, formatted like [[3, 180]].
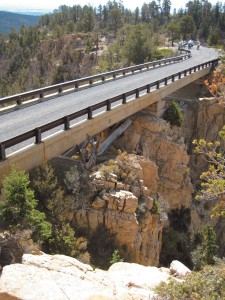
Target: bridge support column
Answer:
[[157, 109]]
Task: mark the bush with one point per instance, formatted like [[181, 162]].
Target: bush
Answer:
[[173, 114], [156, 207], [19, 206], [206, 249], [206, 284], [116, 257]]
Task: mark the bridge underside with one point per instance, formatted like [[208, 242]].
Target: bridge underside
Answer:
[[57, 144]]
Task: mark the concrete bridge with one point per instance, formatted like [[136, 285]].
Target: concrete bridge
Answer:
[[26, 143]]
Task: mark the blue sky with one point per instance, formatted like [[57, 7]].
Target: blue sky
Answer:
[[34, 5]]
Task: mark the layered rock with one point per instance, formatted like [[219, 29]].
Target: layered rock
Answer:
[[126, 215]]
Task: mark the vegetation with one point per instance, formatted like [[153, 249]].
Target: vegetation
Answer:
[[206, 284], [116, 257], [213, 182], [176, 239], [101, 247], [55, 205], [19, 207], [173, 114], [206, 250]]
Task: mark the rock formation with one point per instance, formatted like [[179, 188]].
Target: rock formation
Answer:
[[60, 277]]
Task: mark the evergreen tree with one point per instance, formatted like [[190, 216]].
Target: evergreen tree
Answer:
[[173, 114], [206, 250], [18, 208]]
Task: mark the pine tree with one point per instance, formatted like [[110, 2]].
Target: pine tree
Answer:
[[18, 208]]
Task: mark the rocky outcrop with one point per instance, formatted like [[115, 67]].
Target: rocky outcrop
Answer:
[[60, 277], [164, 145], [125, 214]]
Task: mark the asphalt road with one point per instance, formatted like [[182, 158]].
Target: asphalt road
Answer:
[[13, 123]]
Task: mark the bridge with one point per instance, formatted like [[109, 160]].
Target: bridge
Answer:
[[41, 124]]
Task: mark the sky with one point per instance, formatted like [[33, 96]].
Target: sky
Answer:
[[43, 5]]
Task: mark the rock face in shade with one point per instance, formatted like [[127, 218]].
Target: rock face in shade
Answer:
[[60, 277]]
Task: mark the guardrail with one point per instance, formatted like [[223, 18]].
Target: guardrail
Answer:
[[40, 94], [37, 132]]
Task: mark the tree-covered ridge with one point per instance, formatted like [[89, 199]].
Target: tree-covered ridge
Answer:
[[65, 45], [10, 20]]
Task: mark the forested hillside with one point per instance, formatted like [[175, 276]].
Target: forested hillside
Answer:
[[72, 42], [10, 20]]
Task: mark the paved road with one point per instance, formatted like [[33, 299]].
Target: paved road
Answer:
[[24, 119]]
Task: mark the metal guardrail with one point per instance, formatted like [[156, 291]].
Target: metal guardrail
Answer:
[[37, 132], [41, 93]]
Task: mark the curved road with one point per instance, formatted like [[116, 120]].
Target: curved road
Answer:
[[26, 118]]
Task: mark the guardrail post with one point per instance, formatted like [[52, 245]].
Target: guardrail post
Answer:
[[37, 135], [103, 78], [148, 88], [157, 85], [90, 113], [185, 72], [199, 67], [173, 78], [91, 81], [19, 101], [76, 85], [60, 89], [41, 95], [66, 123], [194, 69], [179, 75], [166, 81], [2, 152], [124, 99], [137, 93], [190, 71], [108, 108], [114, 75]]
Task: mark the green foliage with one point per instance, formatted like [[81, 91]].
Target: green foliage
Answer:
[[19, 206], [206, 284], [206, 250], [139, 44], [176, 242], [175, 246], [213, 182], [116, 257], [55, 204], [173, 114], [156, 207], [101, 247]]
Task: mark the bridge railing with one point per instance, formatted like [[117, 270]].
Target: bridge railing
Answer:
[[58, 89], [89, 111]]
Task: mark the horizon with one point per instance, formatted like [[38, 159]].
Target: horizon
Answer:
[[42, 6]]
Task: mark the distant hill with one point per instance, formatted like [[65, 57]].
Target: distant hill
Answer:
[[9, 20]]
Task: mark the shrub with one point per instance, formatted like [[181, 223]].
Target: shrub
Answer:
[[206, 249], [173, 114], [156, 207], [101, 247], [116, 257], [19, 206], [206, 284], [55, 204]]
